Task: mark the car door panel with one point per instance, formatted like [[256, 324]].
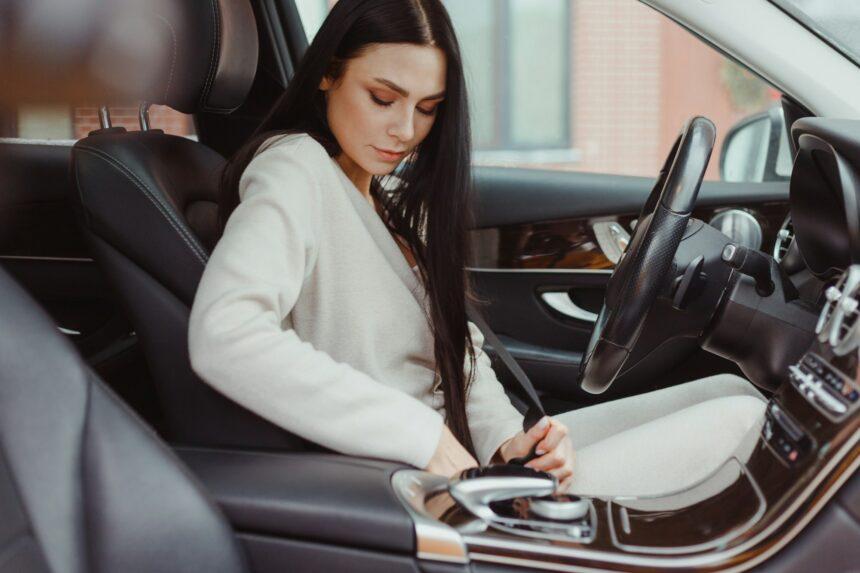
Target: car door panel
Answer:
[[509, 196], [539, 265], [40, 242], [42, 246]]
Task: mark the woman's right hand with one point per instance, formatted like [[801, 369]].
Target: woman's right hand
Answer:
[[450, 457]]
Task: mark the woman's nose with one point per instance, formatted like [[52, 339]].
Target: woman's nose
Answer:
[[403, 127]]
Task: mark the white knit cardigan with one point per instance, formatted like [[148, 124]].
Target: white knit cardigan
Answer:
[[309, 315]]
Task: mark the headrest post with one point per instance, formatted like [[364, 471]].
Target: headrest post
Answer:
[[143, 114], [104, 117]]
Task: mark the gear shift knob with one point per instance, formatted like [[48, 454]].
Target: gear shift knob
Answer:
[[476, 488]]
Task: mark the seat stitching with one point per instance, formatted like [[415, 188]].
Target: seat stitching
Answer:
[[173, 54], [155, 200], [210, 77], [149, 194]]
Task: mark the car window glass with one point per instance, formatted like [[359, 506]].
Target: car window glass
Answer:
[[66, 123], [597, 86]]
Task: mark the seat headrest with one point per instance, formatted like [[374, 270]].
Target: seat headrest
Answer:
[[214, 57], [191, 55]]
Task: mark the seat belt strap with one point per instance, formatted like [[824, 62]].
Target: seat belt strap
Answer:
[[528, 393]]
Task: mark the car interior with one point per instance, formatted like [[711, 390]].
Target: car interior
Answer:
[[115, 456]]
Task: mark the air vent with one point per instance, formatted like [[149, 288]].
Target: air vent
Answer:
[[842, 331], [846, 329], [783, 239], [832, 295]]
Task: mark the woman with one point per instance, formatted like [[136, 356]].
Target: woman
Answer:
[[334, 303]]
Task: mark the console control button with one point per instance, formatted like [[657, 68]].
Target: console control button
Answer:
[[821, 385], [785, 436], [559, 507]]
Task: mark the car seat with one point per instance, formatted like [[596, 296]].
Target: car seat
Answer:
[[147, 202], [84, 484]]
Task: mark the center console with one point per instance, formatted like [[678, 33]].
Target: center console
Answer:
[[737, 518]]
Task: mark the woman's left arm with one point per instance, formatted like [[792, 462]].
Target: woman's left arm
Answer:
[[492, 418]]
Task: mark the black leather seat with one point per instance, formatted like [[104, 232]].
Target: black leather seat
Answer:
[[85, 486], [147, 203]]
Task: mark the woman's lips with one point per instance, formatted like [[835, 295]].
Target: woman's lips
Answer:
[[387, 155]]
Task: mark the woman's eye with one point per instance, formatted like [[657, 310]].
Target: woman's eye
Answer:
[[380, 102], [384, 103]]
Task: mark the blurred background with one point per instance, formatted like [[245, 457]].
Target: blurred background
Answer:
[[62, 59], [587, 85]]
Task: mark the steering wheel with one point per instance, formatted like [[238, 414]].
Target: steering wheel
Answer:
[[642, 271]]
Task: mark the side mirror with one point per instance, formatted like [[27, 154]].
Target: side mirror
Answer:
[[757, 149]]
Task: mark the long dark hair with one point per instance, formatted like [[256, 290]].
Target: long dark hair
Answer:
[[428, 204]]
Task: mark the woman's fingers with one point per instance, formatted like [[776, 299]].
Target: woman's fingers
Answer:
[[536, 432], [559, 459], [564, 485], [522, 443], [550, 455], [563, 472], [557, 432], [548, 461]]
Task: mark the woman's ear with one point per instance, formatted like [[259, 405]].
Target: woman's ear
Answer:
[[325, 83]]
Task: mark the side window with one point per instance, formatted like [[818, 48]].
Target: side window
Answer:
[[312, 13], [66, 123], [518, 74], [602, 86]]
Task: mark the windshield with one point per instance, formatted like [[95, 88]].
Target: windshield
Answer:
[[836, 21]]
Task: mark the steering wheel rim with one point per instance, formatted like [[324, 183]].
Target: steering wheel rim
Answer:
[[641, 272]]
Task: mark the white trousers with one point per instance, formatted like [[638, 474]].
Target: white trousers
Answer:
[[666, 440]]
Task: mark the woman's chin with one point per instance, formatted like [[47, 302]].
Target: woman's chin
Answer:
[[381, 168]]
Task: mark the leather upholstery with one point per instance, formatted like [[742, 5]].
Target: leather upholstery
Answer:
[[147, 202], [331, 499], [188, 54], [84, 485], [142, 192], [213, 56]]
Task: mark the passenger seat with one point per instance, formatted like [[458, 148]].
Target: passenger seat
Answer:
[[85, 486]]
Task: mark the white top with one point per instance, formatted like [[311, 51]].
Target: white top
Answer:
[[309, 315]]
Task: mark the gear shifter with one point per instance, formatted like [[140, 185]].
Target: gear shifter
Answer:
[[476, 488]]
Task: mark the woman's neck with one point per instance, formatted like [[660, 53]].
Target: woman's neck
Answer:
[[359, 177]]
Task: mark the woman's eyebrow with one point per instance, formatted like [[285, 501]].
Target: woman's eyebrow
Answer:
[[405, 93]]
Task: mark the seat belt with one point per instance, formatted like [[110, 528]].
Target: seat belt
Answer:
[[534, 411]]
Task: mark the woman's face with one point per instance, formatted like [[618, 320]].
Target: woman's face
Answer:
[[386, 100]]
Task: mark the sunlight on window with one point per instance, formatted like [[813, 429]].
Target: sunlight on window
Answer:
[[587, 85], [312, 13]]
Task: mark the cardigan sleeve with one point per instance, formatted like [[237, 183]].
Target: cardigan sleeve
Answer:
[[239, 340], [491, 416]]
